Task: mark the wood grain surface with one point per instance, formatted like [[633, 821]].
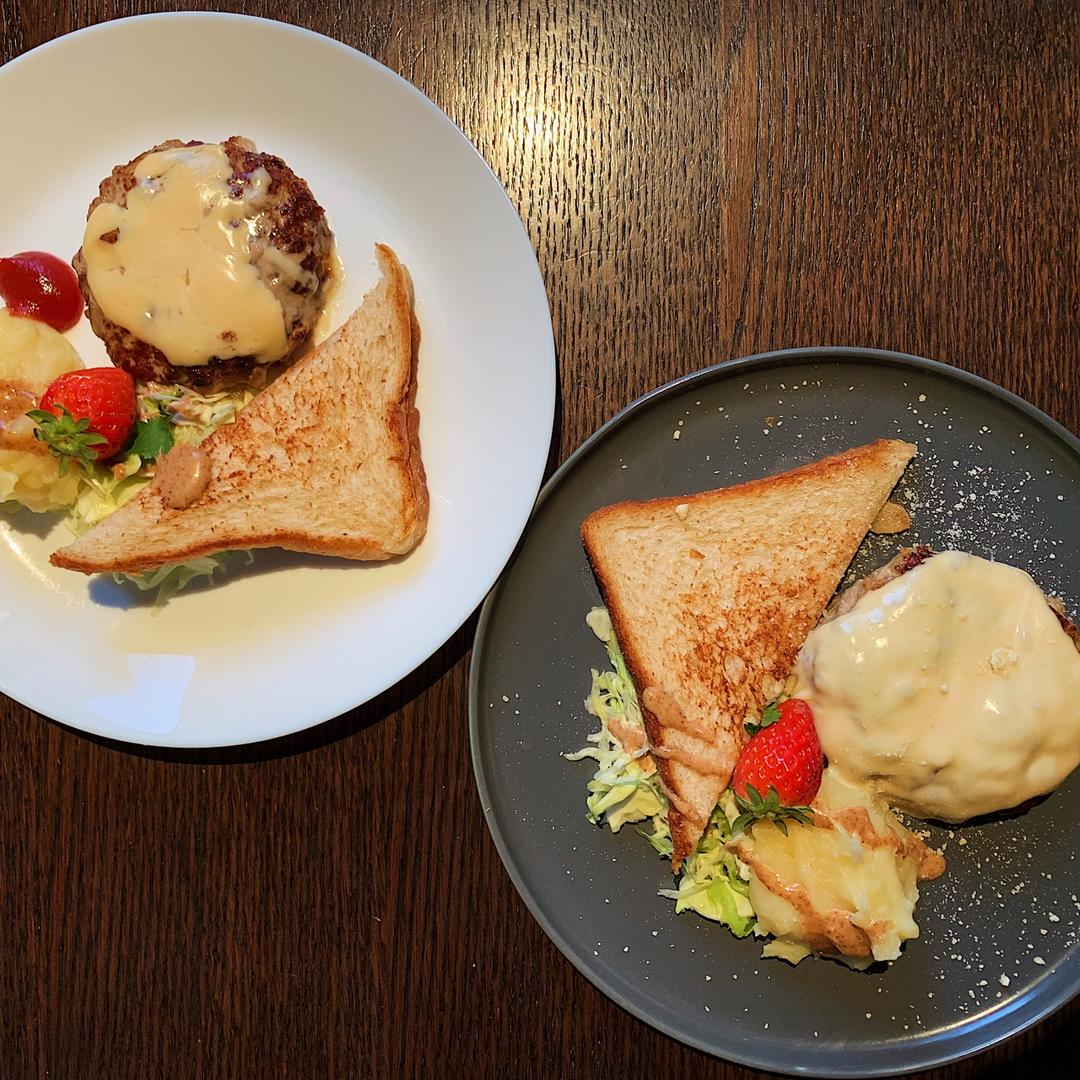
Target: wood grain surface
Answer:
[[701, 181]]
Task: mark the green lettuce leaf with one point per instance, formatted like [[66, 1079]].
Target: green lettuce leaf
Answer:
[[152, 438], [104, 489]]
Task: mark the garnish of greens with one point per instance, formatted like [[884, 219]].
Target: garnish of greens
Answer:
[[624, 789], [167, 415], [769, 715], [768, 807], [153, 438]]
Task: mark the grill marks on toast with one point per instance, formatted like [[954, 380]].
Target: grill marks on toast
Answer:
[[325, 460], [712, 595]]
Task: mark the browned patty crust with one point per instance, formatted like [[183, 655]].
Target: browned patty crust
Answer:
[[289, 219]]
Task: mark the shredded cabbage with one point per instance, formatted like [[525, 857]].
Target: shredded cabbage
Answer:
[[192, 414], [712, 883], [169, 580], [624, 788]]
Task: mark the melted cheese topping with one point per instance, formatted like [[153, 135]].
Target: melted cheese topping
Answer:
[[952, 691], [845, 887], [174, 266]]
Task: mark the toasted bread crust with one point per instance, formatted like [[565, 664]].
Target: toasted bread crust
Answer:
[[875, 454], [285, 473], [361, 549], [402, 416], [736, 578]]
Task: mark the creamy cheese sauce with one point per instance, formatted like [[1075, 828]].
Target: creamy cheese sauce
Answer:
[[951, 692], [175, 265], [332, 288]]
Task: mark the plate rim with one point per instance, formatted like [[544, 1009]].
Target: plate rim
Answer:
[[545, 406], [976, 1034]]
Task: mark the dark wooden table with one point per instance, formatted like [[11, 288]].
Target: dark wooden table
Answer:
[[714, 179]]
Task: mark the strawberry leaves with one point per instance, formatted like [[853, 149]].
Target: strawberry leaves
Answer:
[[756, 807], [72, 440], [89, 416], [769, 715], [67, 438], [103, 401]]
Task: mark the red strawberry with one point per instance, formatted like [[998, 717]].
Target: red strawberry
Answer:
[[87, 415], [779, 771]]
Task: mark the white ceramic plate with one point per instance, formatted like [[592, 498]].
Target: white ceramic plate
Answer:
[[301, 640]]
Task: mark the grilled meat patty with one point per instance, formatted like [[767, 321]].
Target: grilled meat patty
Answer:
[[287, 219]]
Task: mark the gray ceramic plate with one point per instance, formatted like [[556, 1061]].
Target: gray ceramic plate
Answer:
[[998, 949]]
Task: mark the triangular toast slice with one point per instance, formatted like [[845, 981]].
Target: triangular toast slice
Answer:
[[711, 597], [326, 459]]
